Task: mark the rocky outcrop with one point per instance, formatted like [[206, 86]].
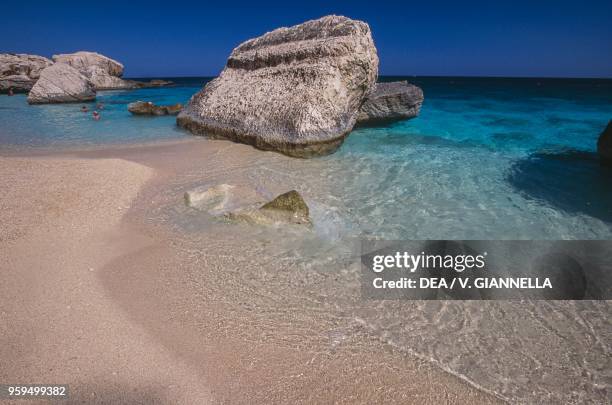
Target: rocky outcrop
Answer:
[[604, 145], [390, 102], [102, 80], [148, 108], [295, 90], [20, 71], [61, 83], [105, 73], [84, 60]]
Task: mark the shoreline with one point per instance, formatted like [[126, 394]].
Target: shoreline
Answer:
[[142, 325]]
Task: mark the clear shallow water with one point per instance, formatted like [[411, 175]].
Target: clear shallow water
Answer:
[[60, 125], [486, 159]]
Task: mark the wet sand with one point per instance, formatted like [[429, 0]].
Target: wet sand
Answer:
[[97, 293]]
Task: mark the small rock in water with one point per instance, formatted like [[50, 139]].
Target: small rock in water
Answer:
[[244, 204], [290, 201], [287, 208], [148, 108]]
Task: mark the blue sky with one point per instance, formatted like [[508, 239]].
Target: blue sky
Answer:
[[474, 38]]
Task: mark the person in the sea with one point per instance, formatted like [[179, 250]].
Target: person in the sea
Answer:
[[96, 115], [84, 109], [10, 91], [100, 106]]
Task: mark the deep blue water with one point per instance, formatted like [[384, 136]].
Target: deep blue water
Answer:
[[486, 158]]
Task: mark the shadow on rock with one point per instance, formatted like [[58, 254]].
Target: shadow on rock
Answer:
[[571, 181]]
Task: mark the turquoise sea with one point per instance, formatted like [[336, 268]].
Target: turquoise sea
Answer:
[[490, 158]]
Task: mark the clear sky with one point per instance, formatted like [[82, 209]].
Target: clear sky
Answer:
[[181, 38]]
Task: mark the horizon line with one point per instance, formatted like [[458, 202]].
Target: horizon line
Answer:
[[408, 75]]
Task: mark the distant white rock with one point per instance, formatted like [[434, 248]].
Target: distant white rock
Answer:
[[61, 83], [84, 60], [20, 71], [103, 72]]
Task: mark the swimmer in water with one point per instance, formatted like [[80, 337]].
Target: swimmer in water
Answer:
[[96, 115], [100, 106], [84, 109]]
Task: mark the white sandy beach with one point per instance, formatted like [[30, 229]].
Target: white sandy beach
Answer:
[[95, 298]]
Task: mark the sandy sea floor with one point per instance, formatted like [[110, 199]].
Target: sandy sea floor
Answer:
[[112, 286]]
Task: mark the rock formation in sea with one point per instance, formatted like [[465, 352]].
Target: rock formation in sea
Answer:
[[61, 83], [20, 71], [295, 90], [604, 145], [148, 108], [105, 73], [390, 102]]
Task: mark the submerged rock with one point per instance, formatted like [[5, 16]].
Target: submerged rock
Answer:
[[287, 208], [294, 90], [105, 73], [148, 108], [212, 199], [222, 199], [246, 204], [391, 102], [61, 83], [20, 71], [604, 145]]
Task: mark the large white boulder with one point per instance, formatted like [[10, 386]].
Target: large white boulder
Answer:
[[295, 90]]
